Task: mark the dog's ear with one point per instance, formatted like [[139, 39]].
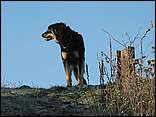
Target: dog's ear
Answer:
[[62, 25], [61, 28]]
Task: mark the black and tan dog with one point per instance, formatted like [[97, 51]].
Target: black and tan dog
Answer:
[[72, 50]]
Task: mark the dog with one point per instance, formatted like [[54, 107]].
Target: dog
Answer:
[[72, 51]]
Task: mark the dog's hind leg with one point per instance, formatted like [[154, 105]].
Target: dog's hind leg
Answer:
[[68, 74], [77, 75], [76, 72], [79, 72]]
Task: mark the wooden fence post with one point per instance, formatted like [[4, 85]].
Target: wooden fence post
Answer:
[[126, 72]]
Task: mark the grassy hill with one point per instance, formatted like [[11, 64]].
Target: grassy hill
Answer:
[[109, 100], [56, 101]]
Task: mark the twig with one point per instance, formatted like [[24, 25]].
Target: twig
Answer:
[[126, 33], [114, 38], [135, 36], [87, 73], [141, 49], [110, 49]]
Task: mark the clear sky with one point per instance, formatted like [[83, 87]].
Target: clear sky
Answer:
[[27, 59]]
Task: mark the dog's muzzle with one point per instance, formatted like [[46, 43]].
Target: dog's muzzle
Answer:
[[46, 37], [43, 35]]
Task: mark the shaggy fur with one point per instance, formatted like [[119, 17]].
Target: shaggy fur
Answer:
[[72, 50]]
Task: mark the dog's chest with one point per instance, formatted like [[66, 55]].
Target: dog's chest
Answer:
[[70, 55]]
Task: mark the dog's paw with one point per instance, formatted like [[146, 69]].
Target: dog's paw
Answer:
[[84, 86]]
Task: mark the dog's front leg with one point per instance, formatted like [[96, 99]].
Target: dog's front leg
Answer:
[[68, 73]]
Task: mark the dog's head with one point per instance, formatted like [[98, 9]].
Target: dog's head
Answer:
[[54, 32]]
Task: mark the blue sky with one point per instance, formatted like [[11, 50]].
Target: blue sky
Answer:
[[27, 59]]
